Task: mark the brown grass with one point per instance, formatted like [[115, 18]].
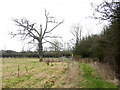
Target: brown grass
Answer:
[[72, 77], [105, 71]]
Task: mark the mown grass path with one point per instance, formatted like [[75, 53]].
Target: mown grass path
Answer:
[[34, 74]]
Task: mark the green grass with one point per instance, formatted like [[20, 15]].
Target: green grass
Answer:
[[35, 74], [91, 79]]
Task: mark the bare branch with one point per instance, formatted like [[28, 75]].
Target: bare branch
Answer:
[[27, 28], [36, 31], [107, 10], [32, 47], [52, 37], [46, 16], [51, 43], [12, 34], [54, 27], [76, 32], [73, 34]]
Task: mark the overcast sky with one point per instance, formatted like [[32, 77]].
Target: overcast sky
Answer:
[[72, 11]]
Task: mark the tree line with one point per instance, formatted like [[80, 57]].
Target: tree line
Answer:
[[34, 54]]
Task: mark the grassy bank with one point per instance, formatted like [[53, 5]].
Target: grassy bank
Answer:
[[91, 79]]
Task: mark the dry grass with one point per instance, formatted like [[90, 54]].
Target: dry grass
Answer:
[[32, 74], [72, 77], [105, 71]]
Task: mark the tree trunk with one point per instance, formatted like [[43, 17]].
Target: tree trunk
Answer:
[[40, 52]]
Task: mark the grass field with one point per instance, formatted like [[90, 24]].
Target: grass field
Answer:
[[29, 73]]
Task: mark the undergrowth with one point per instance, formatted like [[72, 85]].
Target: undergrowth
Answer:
[[91, 79]]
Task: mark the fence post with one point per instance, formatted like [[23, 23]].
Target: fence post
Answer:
[[26, 69], [18, 70], [72, 60]]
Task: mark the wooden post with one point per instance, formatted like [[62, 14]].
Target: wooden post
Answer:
[[72, 60], [26, 69], [68, 66], [18, 70]]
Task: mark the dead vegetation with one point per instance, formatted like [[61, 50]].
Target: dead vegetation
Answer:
[[105, 71], [36, 75], [72, 77], [48, 61]]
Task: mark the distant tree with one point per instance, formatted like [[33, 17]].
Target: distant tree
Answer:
[[29, 31], [56, 45], [76, 32], [69, 46]]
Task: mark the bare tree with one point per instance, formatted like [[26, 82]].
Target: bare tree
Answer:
[[76, 32], [29, 31], [107, 10], [57, 46]]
